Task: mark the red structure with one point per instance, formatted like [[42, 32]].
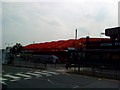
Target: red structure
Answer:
[[60, 45], [59, 48]]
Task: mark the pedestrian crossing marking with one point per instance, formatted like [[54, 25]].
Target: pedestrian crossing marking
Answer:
[[26, 75], [27, 78], [47, 74], [55, 73], [1, 82], [19, 74], [50, 81], [14, 80], [38, 75], [2, 79], [11, 76]]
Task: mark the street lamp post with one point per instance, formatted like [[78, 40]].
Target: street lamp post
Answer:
[[76, 34], [77, 49]]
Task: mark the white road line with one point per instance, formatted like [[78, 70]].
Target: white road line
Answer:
[[99, 79], [50, 81], [11, 76], [2, 82], [37, 75], [19, 74], [47, 74], [3, 79], [27, 78], [76, 87], [14, 80], [55, 73]]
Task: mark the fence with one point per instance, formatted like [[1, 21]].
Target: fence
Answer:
[[112, 72], [93, 70], [31, 62], [26, 62]]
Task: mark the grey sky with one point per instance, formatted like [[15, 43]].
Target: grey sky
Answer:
[[26, 22]]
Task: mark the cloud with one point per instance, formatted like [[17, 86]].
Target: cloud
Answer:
[[26, 22]]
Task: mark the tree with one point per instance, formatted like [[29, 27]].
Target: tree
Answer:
[[16, 48]]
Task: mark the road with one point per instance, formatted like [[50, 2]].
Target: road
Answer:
[[20, 77]]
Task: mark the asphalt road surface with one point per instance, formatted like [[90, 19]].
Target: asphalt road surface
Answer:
[[19, 77]]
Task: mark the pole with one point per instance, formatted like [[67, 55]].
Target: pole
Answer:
[[76, 34], [76, 49]]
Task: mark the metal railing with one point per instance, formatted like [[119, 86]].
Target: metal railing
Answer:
[[101, 71], [26, 62]]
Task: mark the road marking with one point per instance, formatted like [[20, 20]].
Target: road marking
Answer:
[[99, 79], [23, 75], [11, 76], [16, 77], [50, 81], [47, 74], [76, 87], [61, 70], [2, 79], [1, 82], [37, 75], [65, 74], [14, 80], [55, 73], [27, 78]]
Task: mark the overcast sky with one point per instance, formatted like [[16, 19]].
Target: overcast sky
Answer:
[[36, 21]]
